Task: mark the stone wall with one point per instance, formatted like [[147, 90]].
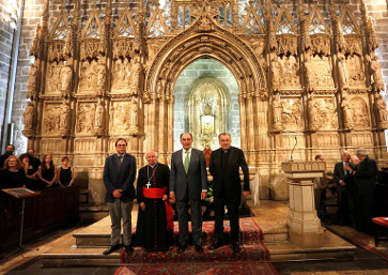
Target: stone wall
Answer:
[[6, 39], [32, 14]]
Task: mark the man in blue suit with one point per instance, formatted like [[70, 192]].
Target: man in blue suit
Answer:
[[188, 182], [119, 175]]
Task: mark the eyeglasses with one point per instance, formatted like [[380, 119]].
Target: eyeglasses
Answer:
[[121, 145]]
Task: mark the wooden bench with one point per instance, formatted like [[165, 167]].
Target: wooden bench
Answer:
[[381, 224]]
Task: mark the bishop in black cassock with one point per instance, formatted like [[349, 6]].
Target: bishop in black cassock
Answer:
[[155, 219]]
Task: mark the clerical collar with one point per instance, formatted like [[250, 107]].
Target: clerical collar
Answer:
[[152, 166], [226, 150]]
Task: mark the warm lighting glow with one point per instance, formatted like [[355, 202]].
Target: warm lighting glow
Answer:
[[11, 13]]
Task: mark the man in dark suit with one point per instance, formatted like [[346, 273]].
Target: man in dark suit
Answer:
[[365, 175], [188, 182], [119, 175], [35, 162], [224, 166], [9, 150], [344, 182]]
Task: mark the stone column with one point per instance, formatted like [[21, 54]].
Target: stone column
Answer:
[[251, 129], [241, 101], [162, 129], [305, 228]]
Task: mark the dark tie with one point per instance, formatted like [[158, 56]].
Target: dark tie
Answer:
[[120, 160]]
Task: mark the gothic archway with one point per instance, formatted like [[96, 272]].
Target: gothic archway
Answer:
[[204, 39]]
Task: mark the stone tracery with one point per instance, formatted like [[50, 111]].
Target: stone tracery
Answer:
[[124, 67]]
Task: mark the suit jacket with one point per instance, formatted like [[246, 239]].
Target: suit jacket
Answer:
[[228, 181], [196, 178], [339, 174], [366, 177], [120, 176]]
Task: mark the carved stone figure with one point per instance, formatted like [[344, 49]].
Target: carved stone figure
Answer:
[[342, 71], [99, 113], [377, 77], [100, 72], [291, 115], [277, 109], [348, 112], [133, 113], [312, 110], [85, 119], [308, 72], [51, 120], [275, 72], [381, 106], [66, 77], [136, 71], [64, 111], [28, 116], [32, 78]]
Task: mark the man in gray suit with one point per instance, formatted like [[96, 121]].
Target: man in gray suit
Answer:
[[188, 182], [119, 175]]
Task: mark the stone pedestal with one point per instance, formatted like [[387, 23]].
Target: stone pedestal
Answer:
[[305, 228]]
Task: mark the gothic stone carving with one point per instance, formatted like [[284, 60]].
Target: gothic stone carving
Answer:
[[51, 120], [28, 116], [291, 115], [92, 77], [381, 108], [124, 117], [85, 119]]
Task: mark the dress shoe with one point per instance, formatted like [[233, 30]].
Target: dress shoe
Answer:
[[235, 247], [216, 245], [199, 248], [111, 249], [128, 249], [182, 248]]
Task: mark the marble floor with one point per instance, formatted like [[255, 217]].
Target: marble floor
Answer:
[[271, 216]]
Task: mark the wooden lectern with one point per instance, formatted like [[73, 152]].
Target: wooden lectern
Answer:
[[21, 193]]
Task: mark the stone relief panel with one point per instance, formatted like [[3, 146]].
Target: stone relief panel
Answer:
[[126, 76], [319, 72], [292, 113], [360, 112], [124, 117], [92, 77], [355, 71], [365, 139], [289, 72], [326, 115], [51, 119], [85, 118]]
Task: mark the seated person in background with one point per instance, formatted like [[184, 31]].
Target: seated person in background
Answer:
[[13, 175], [29, 170], [65, 173], [47, 173]]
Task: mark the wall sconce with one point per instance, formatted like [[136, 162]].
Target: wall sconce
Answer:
[[11, 13]]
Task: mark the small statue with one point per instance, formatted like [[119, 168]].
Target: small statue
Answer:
[[99, 113], [377, 76], [381, 106], [348, 112], [28, 116], [66, 74], [32, 78]]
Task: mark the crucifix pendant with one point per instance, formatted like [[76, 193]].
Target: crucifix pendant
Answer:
[[148, 185]]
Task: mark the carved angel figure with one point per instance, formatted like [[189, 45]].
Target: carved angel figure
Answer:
[[32, 77]]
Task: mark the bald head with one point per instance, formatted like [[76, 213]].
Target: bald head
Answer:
[[152, 157], [354, 160]]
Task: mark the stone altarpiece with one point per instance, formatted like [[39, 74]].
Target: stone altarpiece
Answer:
[[306, 71]]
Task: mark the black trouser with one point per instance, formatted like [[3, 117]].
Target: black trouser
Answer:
[[233, 204]]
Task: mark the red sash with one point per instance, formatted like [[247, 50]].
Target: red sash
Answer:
[[158, 193]]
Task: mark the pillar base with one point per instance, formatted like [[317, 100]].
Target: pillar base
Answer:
[[307, 239]]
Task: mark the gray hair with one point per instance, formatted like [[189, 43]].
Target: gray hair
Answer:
[[344, 152], [362, 152]]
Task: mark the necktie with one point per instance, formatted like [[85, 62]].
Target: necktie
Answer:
[[120, 161], [187, 161]]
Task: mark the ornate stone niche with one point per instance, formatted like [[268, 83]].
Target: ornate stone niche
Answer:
[[92, 77], [51, 119], [325, 139], [355, 70], [361, 139], [325, 114], [360, 112], [292, 115], [320, 74], [85, 118], [124, 117], [208, 111]]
